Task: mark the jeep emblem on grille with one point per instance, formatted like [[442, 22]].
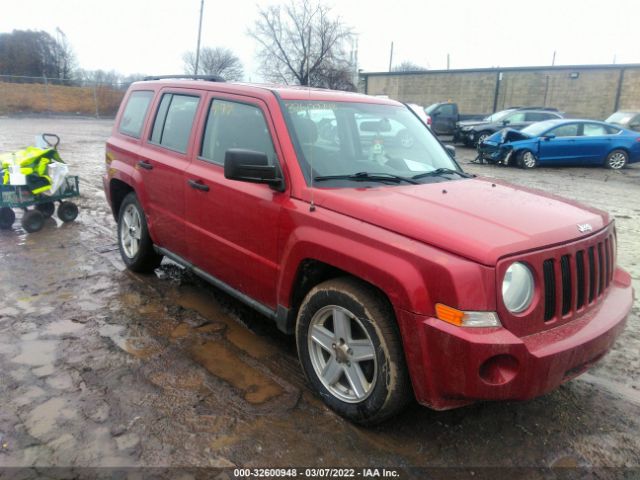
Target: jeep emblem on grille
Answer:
[[584, 227]]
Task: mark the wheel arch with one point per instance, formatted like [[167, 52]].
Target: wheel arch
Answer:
[[118, 190]]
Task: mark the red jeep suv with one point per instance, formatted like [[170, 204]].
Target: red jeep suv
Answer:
[[343, 218]]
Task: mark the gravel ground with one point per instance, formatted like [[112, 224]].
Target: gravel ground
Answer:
[[100, 367]]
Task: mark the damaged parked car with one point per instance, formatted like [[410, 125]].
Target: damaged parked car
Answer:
[[473, 132], [562, 142]]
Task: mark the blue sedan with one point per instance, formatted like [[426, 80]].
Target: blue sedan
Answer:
[[563, 142]]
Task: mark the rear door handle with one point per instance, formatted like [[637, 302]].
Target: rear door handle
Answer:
[[198, 185], [144, 164]]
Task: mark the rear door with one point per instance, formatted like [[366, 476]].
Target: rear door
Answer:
[[444, 119], [233, 226], [163, 162], [596, 142]]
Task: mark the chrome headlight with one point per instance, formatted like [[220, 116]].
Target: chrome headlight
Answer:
[[517, 287]]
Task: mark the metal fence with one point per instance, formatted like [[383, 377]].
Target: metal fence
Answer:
[[68, 96]]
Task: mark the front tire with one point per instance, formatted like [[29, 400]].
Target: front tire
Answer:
[[350, 350], [134, 242], [32, 221], [616, 160], [527, 160]]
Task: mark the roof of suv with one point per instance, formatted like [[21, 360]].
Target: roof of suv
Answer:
[[286, 92]]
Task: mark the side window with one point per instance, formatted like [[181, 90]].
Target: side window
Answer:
[[537, 116], [570, 130], [594, 130], [447, 110], [235, 125], [516, 117], [135, 113], [174, 120]]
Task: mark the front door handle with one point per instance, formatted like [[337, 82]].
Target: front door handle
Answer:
[[198, 185], [144, 164]]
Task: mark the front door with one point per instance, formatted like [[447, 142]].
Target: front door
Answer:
[[233, 226]]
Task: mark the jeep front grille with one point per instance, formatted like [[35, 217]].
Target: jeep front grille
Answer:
[[571, 279]]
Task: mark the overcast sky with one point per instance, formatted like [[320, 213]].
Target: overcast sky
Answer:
[[150, 36]]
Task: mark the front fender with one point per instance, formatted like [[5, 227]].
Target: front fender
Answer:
[[413, 275]]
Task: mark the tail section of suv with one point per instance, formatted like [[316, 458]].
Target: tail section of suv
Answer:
[[381, 256]]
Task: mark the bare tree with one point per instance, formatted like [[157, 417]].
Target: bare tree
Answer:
[[215, 61], [301, 43], [408, 66]]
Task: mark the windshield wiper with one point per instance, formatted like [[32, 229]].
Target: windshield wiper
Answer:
[[368, 176], [438, 172]]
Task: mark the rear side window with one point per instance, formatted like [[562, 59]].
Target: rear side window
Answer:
[[135, 113], [594, 130], [539, 116], [174, 120], [235, 125]]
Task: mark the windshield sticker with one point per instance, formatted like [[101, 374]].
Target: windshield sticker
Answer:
[[304, 106]]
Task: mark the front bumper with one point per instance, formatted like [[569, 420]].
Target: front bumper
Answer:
[[467, 137], [452, 366]]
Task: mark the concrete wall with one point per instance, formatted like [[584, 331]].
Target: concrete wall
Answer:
[[579, 91]]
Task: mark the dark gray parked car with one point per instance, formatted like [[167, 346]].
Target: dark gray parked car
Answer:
[[626, 119], [473, 132]]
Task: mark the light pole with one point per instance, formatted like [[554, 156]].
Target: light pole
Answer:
[[199, 33]]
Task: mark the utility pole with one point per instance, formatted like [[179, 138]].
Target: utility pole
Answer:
[[391, 57], [448, 61], [553, 60], [199, 33]]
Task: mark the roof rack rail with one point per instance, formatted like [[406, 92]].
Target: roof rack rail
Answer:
[[209, 78], [550, 109]]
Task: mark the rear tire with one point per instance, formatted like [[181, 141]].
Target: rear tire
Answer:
[[616, 160], [351, 352], [32, 221], [46, 209], [527, 160], [134, 242], [482, 137], [7, 217]]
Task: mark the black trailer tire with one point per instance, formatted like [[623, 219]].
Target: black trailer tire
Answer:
[[7, 217], [47, 209], [351, 352], [67, 211], [134, 241], [32, 221]]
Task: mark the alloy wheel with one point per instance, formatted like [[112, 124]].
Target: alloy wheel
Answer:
[[130, 231], [617, 160], [342, 354]]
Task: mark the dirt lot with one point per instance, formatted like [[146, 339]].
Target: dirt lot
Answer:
[[100, 367]]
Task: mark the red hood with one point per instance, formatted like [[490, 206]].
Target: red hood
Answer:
[[480, 219]]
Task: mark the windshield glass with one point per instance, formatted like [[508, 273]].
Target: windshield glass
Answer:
[[538, 128], [620, 117], [349, 138], [498, 116], [431, 108]]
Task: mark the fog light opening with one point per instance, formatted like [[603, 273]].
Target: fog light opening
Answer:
[[499, 370]]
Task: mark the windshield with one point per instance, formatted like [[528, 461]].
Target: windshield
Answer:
[[498, 116], [349, 139], [536, 129], [431, 108], [620, 117]]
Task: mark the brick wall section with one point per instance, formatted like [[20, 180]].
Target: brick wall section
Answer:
[[630, 92], [592, 94]]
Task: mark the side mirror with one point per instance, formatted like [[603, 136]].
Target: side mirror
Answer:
[[506, 122], [436, 113], [253, 167], [451, 150], [634, 125], [551, 136]]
